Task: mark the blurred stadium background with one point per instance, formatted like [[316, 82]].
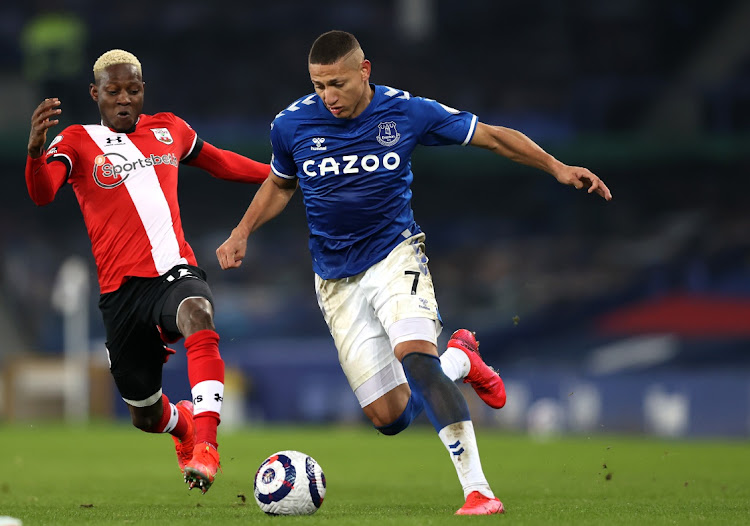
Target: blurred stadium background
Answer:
[[630, 316]]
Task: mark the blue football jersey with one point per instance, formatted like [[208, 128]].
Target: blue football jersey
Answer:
[[355, 174]]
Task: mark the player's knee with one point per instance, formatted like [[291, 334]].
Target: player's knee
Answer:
[[384, 418], [394, 428], [195, 314], [422, 368], [397, 423]]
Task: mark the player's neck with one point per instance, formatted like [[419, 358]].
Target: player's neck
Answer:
[[365, 101]]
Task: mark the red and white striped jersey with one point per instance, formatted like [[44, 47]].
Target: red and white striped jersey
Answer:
[[126, 186]]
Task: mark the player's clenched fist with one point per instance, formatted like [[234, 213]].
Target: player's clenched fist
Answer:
[[232, 251], [43, 118]]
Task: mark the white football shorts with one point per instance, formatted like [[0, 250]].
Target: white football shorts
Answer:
[[368, 314]]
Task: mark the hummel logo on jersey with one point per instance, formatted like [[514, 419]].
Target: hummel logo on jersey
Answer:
[[112, 141], [388, 135], [318, 144]]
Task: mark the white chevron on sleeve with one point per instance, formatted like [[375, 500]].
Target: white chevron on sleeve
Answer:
[[390, 92], [454, 111], [293, 107]]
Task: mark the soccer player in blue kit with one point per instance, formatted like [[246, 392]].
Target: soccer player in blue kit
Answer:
[[348, 146]]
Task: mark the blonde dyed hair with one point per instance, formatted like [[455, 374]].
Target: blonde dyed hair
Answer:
[[113, 57]]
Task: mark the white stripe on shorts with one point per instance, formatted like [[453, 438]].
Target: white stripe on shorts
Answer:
[[410, 329], [387, 379]]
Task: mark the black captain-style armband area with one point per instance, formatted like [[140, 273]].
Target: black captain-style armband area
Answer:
[[196, 150]]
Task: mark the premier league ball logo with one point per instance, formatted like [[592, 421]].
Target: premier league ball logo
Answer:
[[289, 483]]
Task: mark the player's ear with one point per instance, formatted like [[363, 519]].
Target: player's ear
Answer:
[[365, 69], [94, 92]]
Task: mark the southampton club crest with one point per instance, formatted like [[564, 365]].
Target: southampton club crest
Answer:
[[388, 135], [163, 135]]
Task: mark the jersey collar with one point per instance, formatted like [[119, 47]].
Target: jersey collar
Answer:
[[131, 130]]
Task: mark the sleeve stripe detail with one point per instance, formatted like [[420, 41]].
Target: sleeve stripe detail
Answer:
[[194, 150], [285, 176], [472, 128], [192, 146], [61, 157]]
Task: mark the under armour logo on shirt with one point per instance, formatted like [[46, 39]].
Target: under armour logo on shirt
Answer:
[[116, 140]]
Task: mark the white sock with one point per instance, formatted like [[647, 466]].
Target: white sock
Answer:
[[455, 363], [461, 443], [207, 396]]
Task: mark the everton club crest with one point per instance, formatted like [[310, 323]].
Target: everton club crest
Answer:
[[388, 135], [163, 135]]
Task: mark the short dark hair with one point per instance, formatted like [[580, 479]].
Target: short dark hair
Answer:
[[329, 47]]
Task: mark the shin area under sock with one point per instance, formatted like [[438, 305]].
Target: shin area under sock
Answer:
[[206, 374], [442, 399]]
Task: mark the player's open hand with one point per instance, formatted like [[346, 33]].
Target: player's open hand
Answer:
[[583, 178], [44, 117], [232, 251]]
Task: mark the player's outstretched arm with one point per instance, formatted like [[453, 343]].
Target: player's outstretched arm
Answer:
[[43, 181], [519, 148], [272, 197], [228, 165]]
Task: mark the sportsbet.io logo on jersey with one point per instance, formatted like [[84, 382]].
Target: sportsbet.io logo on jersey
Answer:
[[112, 169]]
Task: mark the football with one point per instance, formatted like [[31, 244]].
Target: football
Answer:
[[289, 483]]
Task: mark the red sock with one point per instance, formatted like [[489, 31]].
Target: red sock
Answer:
[[172, 421], [206, 374]]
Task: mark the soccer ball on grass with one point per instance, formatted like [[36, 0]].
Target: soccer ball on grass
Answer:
[[289, 483]]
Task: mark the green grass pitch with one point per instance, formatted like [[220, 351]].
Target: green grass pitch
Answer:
[[114, 474]]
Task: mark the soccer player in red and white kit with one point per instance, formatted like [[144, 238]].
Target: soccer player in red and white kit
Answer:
[[124, 175]]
